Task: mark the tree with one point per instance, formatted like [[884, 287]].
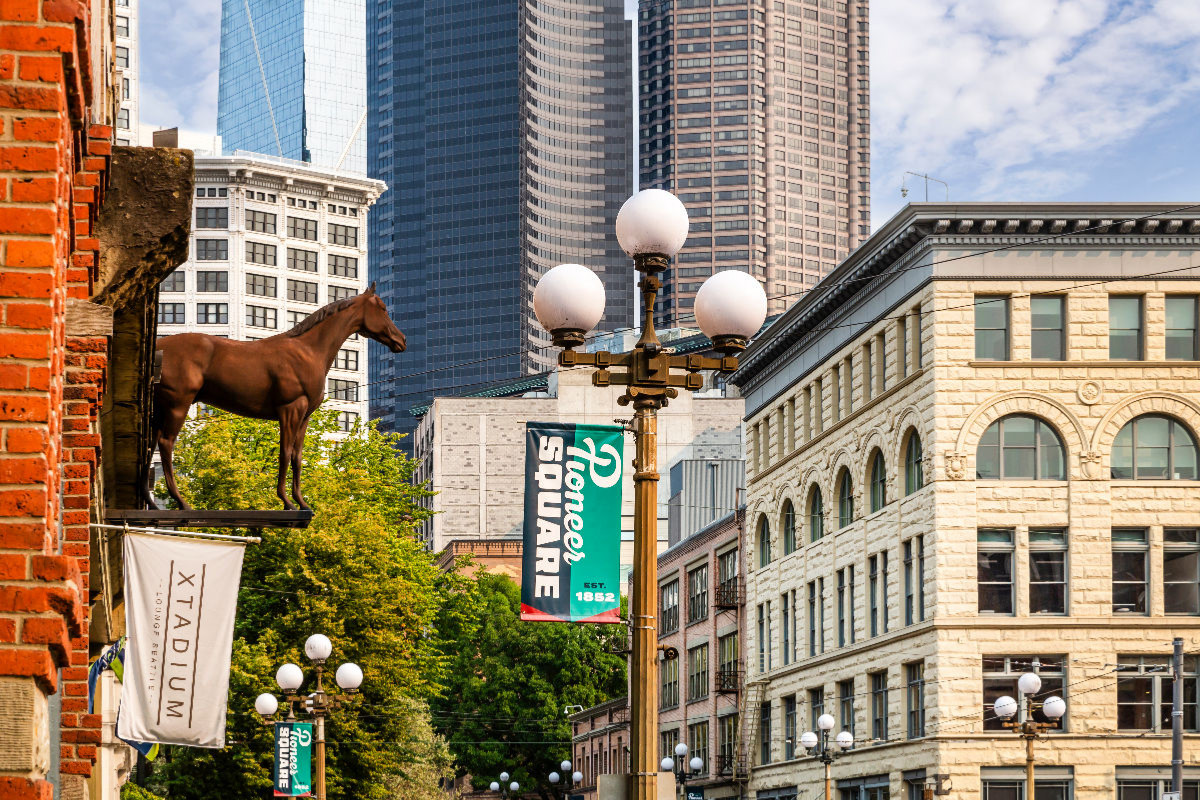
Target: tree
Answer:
[[355, 574], [509, 682]]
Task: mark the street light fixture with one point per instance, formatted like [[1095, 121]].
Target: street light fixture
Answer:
[[818, 745], [730, 307], [696, 765], [1030, 729], [317, 705], [575, 778], [505, 791]]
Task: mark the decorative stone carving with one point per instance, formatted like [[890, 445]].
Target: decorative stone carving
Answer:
[[1090, 392], [1091, 462], [956, 465]]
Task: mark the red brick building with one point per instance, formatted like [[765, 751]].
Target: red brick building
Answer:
[[86, 234]]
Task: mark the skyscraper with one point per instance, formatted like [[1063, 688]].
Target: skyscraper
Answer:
[[293, 80], [757, 114], [505, 132], [127, 58]]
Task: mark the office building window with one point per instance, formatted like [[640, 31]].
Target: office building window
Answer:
[[345, 235], [346, 359], [873, 595], [259, 253], [816, 515], [995, 560], [850, 603], [846, 704], [301, 259], [879, 705], [171, 313], [991, 328], [1154, 447], [1144, 693], [1048, 571], [212, 281], [1182, 328], [821, 612], [910, 581], [727, 571], [878, 482], [790, 739], [1125, 328], [1181, 570], [212, 250], [789, 527], [783, 626], [260, 317], [914, 464], [727, 744], [884, 590], [915, 678], [343, 390], [813, 646], [1020, 447], [175, 282], [1000, 676], [698, 672], [301, 291], [1150, 788], [123, 118], [845, 499], [727, 662], [668, 683], [261, 285], [1014, 789], [841, 608], [340, 293], [668, 603], [698, 594], [346, 421], [207, 217], [260, 222], [763, 626], [122, 57], [698, 745], [764, 733], [122, 25], [764, 542], [1130, 558], [343, 266], [1048, 327], [212, 313], [301, 228], [816, 707]]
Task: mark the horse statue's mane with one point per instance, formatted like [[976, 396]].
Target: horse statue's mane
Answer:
[[320, 314]]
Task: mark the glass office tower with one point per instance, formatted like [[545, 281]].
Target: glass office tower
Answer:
[[293, 80], [505, 133]]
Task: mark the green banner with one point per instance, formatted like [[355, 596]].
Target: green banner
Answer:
[[571, 560], [293, 759]]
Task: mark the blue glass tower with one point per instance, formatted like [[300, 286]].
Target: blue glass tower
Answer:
[[505, 133], [293, 80]]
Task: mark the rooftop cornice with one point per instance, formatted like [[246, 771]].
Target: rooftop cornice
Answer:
[[321, 176], [982, 224]]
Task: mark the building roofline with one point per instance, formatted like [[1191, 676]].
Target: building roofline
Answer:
[[917, 221], [712, 530], [290, 168]]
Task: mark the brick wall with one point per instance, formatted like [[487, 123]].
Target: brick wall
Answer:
[[52, 175]]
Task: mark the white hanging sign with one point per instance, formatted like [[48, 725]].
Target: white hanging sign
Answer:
[[180, 599]]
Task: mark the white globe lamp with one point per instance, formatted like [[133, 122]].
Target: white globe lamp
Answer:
[[1054, 707], [730, 308], [565, 766], [1030, 683], [667, 764], [318, 647], [681, 750], [1005, 707], [825, 722], [554, 777], [696, 763], [495, 787], [289, 677], [652, 223], [514, 787], [845, 740], [568, 301], [808, 740], [503, 777], [577, 777], [266, 704], [349, 676]]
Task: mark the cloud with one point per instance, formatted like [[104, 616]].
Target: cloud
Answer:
[[1022, 99], [180, 48]]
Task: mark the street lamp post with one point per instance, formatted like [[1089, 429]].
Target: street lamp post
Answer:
[[818, 745], [730, 307], [505, 791], [574, 777], [319, 704], [1030, 729], [696, 765]]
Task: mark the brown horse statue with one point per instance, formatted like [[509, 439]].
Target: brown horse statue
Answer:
[[281, 377]]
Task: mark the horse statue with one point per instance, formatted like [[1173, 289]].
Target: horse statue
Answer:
[[281, 377]]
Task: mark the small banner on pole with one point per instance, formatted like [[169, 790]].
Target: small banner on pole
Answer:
[[293, 759], [180, 598], [572, 543]]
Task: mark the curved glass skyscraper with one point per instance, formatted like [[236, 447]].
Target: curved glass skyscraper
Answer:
[[505, 131], [293, 80]]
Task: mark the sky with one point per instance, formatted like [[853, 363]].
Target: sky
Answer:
[[1084, 100]]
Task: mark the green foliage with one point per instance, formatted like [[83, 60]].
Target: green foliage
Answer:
[[355, 574], [509, 682], [131, 791]]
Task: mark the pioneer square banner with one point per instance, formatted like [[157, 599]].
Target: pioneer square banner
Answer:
[[572, 548], [180, 598], [293, 759]]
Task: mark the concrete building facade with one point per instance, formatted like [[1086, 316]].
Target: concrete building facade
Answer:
[[126, 54], [272, 241], [973, 454], [757, 115]]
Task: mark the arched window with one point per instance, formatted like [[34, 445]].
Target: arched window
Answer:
[[1154, 447], [914, 466], [1020, 446], [816, 514], [789, 527], [764, 542], [878, 482], [845, 499]]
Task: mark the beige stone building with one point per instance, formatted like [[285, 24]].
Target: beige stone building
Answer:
[[972, 454]]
